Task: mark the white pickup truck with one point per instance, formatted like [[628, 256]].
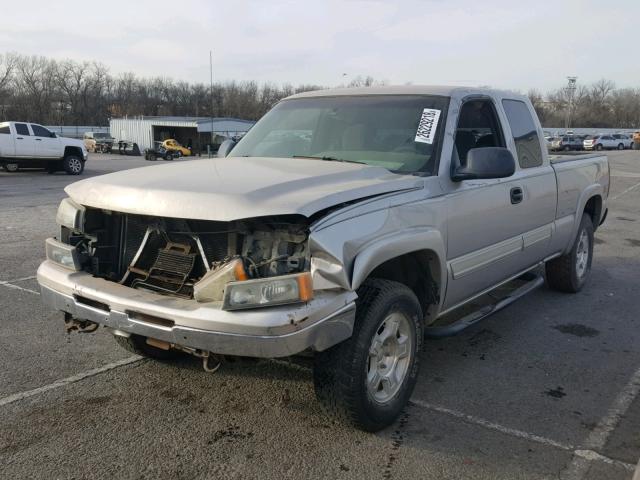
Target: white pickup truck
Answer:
[[345, 225], [29, 145]]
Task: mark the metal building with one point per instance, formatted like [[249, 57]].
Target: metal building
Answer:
[[198, 132]]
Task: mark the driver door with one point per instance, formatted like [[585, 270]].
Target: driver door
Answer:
[[484, 238]]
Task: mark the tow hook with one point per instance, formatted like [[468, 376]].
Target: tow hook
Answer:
[[206, 357], [81, 326]]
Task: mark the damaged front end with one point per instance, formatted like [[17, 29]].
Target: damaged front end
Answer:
[[238, 264]]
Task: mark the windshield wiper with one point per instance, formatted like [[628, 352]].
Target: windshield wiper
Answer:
[[330, 159]]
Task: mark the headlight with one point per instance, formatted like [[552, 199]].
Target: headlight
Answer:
[[265, 292], [63, 254], [71, 215]]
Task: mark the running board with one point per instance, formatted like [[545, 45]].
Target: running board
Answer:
[[533, 280]]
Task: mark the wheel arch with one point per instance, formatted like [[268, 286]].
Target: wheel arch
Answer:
[[416, 259], [71, 150]]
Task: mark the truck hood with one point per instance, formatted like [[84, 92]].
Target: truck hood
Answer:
[[233, 188]]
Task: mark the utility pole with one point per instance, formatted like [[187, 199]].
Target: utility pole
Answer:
[[211, 95], [571, 90]]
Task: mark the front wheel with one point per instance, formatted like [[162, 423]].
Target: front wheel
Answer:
[[620, 146], [168, 157], [569, 272], [367, 380], [599, 147], [73, 165]]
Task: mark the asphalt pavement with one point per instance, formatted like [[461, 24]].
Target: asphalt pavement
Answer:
[[546, 388]]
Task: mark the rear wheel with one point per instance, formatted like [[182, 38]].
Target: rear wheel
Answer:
[[11, 167], [168, 157], [138, 345], [73, 165], [567, 148], [621, 146], [599, 147], [367, 380], [569, 272]]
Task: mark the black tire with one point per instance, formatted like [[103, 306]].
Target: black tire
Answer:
[[168, 157], [11, 167], [563, 273], [567, 148], [73, 165], [599, 147], [152, 157], [340, 373], [621, 146], [139, 346]]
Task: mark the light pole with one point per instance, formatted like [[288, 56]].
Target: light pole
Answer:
[[211, 95], [571, 90]]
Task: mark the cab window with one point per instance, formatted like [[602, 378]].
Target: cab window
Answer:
[[4, 129], [478, 127], [525, 133], [40, 131], [22, 129]]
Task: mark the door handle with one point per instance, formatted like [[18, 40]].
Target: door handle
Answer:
[[38, 139], [516, 195], [18, 138]]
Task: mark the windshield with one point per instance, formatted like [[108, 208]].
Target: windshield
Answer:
[[397, 132], [101, 135]]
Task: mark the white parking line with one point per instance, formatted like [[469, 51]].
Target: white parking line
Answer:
[[67, 381], [494, 426], [579, 467], [615, 197], [16, 287], [10, 284], [584, 455]]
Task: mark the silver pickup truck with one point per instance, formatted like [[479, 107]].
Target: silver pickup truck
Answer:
[[346, 225]]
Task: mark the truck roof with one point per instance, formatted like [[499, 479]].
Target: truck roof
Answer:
[[439, 90]]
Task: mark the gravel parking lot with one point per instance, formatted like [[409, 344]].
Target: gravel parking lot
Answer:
[[547, 388]]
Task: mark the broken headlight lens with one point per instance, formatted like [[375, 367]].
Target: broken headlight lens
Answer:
[[265, 292], [71, 215]]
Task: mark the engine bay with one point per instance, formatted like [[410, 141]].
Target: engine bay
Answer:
[[170, 256]]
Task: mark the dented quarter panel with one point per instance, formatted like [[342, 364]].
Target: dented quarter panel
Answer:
[[349, 244]]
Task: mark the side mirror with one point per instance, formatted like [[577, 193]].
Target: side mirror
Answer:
[[488, 162], [53, 135], [226, 147]]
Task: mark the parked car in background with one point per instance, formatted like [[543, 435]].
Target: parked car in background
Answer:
[[603, 142], [98, 142], [158, 151], [29, 145], [567, 143], [172, 145], [624, 138]]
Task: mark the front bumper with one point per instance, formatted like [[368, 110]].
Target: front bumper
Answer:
[[264, 332]]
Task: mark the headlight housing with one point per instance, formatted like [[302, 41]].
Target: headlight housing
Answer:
[[63, 254], [263, 292], [71, 215]]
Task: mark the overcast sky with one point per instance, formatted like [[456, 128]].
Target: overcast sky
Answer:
[[508, 44]]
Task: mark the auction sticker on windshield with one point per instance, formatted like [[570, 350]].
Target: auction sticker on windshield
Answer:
[[427, 126]]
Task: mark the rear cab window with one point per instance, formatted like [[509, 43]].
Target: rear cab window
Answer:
[[525, 133], [5, 129]]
